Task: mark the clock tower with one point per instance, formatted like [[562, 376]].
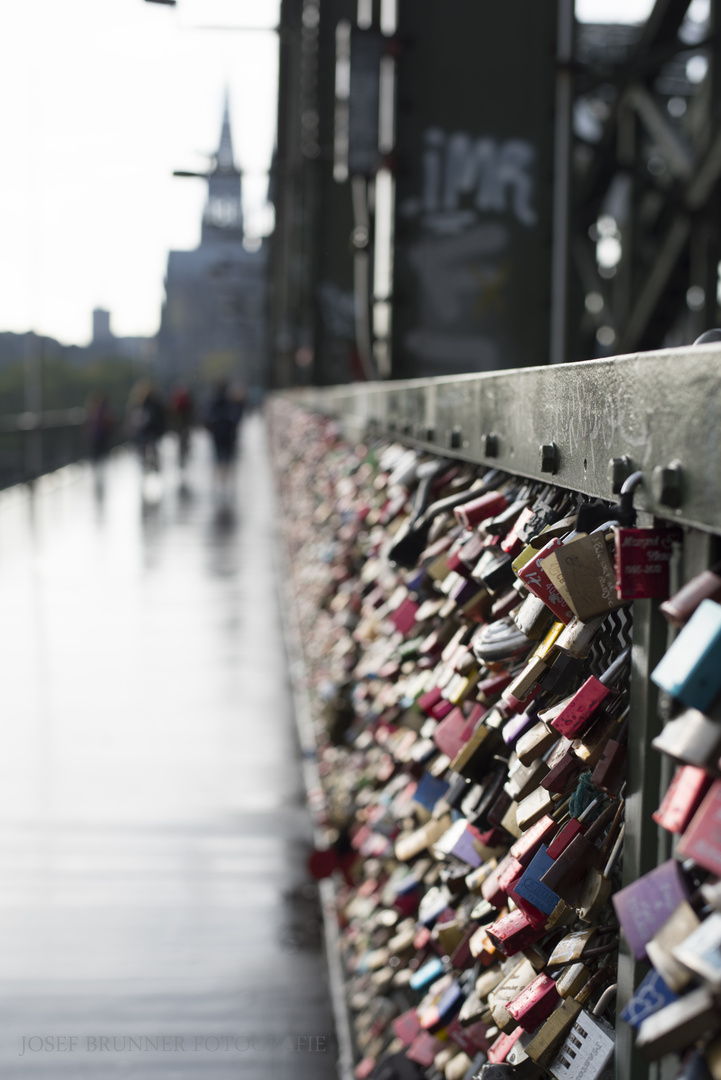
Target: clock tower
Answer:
[[214, 322], [223, 214]]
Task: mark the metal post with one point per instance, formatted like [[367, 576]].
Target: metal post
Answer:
[[561, 186]]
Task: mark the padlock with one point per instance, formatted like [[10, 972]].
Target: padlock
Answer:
[[497, 575], [563, 773], [500, 641], [424, 1048], [535, 577], [518, 724], [518, 1059], [530, 886], [521, 686], [589, 747], [577, 637], [427, 974], [508, 989], [702, 839], [580, 707], [700, 951], [535, 806], [642, 558], [535, 742], [650, 995], [571, 948], [533, 618], [691, 737], [683, 798], [457, 1068], [523, 779], [643, 906], [514, 932], [679, 608], [571, 979], [596, 888], [660, 949], [534, 1003], [679, 1024], [566, 875], [486, 506], [525, 848], [569, 830], [546, 1043], [582, 570], [690, 671], [473, 758], [609, 772], [587, 1049], [465, 554]]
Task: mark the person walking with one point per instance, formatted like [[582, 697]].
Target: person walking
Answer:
[[147, 423], [181, 421], [222, 419]]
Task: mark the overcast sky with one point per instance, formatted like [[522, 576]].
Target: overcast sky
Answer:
[[102, 99]]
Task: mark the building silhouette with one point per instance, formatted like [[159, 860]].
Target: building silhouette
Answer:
[[213, 322]]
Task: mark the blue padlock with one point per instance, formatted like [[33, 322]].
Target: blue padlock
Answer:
[[651, 995], [427, 974], [691, 669], [430, 789], [530, 886]]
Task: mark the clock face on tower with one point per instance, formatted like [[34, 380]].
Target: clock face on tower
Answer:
[[223, 211]]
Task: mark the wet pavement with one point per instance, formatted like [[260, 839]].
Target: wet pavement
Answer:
[[155, 916]]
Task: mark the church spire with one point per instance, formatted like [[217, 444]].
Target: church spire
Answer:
[[223, 212], [224, 162]]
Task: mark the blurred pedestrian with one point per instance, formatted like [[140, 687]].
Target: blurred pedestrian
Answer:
[[99, 425], [181, 420], [222, 419], [148, 423]]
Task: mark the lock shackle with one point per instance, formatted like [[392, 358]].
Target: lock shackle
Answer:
[[616, 667], [611, 837], [603, 819], [610, 524], [407, 548], [614, 851], [602, 1003], [627, 489], [584, 814]]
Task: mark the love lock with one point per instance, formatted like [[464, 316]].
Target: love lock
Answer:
[[588, 1047]]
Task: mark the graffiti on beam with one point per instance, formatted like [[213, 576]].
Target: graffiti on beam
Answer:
[[465, 178], [475, 202]]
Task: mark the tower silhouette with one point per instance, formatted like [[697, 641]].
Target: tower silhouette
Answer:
[[224, 208], [214, 319]]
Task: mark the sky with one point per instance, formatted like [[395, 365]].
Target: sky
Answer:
[[102, 100]]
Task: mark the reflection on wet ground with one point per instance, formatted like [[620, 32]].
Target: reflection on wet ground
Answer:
[[155, 915]]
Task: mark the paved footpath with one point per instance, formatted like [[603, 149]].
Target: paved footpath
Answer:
[[155, 918]]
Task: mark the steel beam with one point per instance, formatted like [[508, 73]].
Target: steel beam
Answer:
[[661, 409]]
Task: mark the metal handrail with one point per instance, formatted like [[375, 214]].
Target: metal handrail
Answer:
[[583, 426], [49, 418]]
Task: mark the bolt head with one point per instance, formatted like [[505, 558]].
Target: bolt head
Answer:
[[667, 484], [548, 457], [490, 445], [619, 469]]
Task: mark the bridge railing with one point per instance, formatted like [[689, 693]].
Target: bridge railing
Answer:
[[584, 427], [33, 443]]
